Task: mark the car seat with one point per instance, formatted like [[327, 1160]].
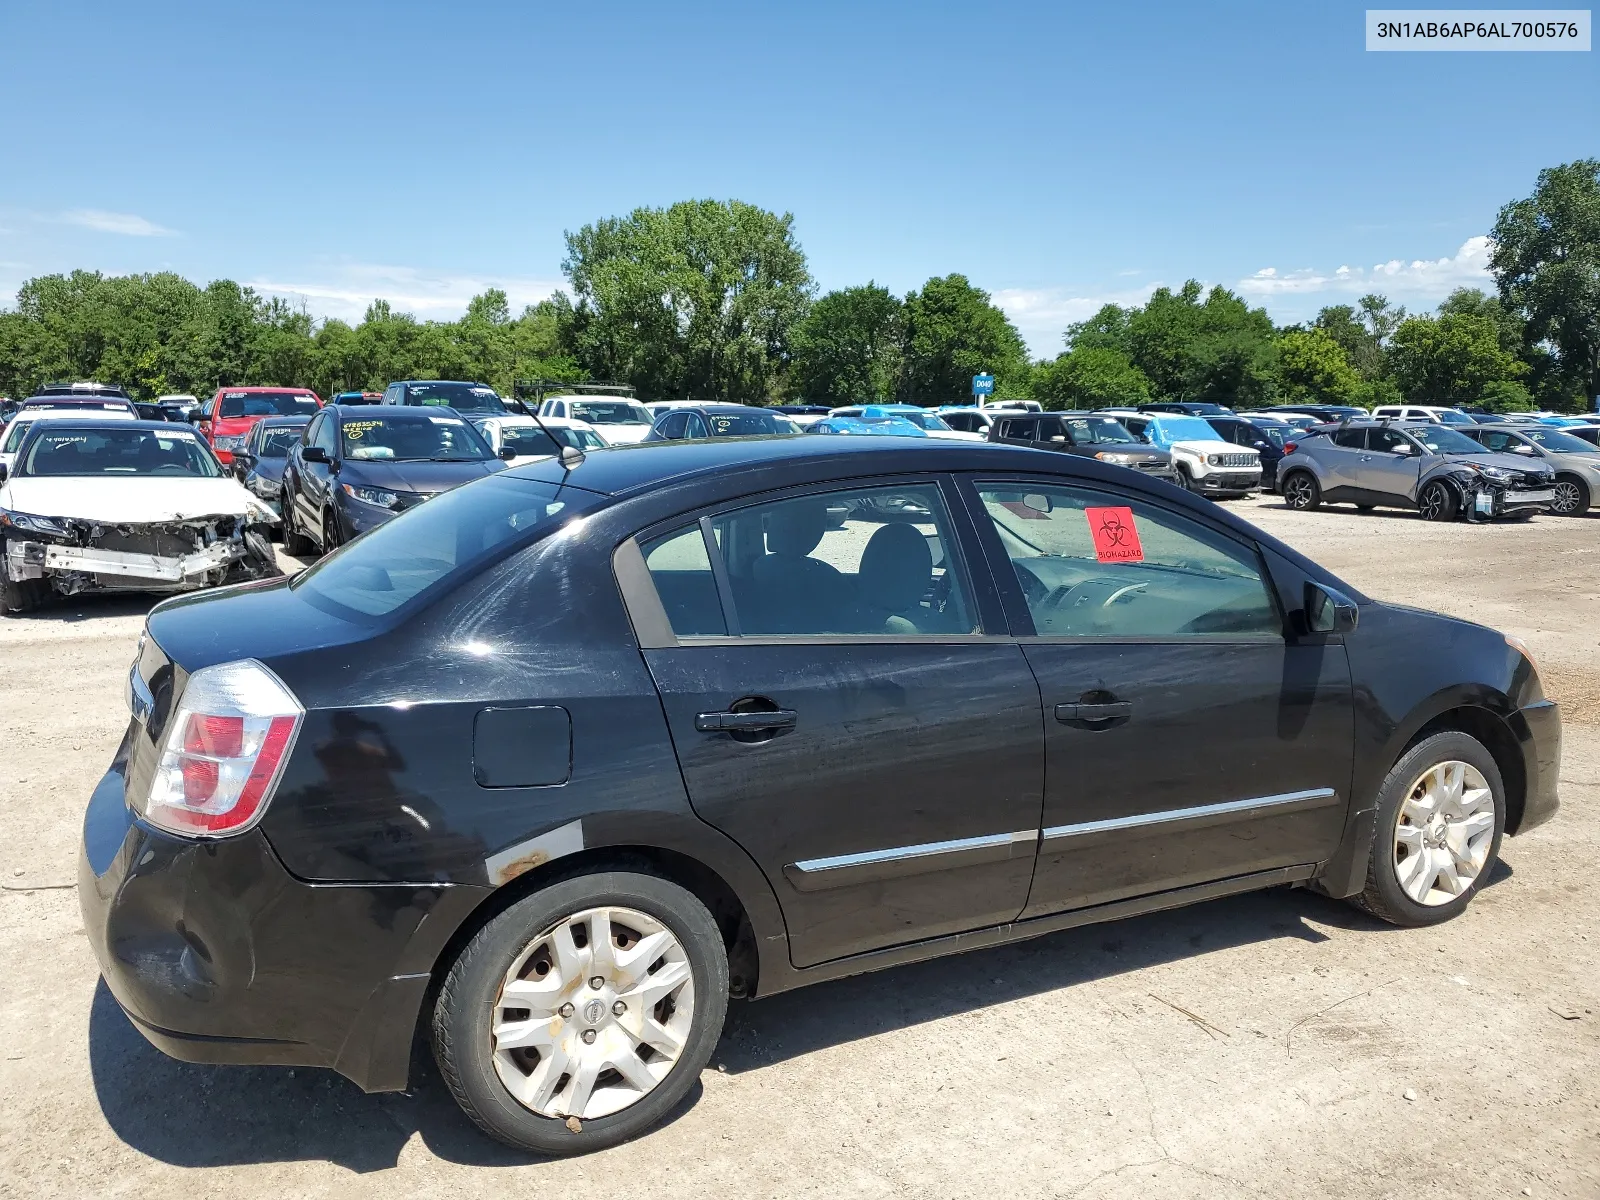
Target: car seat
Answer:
[[793, 592], [895, 574]]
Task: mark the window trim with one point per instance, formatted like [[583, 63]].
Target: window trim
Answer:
[[654, 630], [1016, 605]]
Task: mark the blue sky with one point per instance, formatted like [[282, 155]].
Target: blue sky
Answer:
[[1058, 154]]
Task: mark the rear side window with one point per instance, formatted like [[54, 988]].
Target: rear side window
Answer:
[[428, 547], [680, 568], [1350, 439]]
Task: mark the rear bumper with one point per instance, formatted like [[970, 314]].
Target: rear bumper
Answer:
[[219, 955], [1538, 729]]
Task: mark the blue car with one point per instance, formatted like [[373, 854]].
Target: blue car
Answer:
[[889, 426]]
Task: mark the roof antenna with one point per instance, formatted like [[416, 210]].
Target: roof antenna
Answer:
[[567, 456]]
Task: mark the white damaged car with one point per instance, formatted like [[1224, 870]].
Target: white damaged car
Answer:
[[139, 506]]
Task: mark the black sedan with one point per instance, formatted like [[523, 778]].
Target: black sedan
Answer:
[[719, 420], [554, 765], [356, 467]]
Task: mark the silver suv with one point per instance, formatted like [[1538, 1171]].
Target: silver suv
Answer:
[[1432, 468]]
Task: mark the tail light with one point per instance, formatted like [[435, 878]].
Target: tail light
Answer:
[[1290, 447], [224, 750]]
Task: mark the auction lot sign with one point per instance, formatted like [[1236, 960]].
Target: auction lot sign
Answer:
[[1477, 29]]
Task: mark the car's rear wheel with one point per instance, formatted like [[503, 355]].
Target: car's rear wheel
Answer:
[[1571, 497], [1301, 491], [1437, 502], [1440, 815], [1365, 507], [583, 1014], [295, 543]]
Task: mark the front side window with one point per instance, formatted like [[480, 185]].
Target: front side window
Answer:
[[1096, 564], [277, 441], [1350, 439], [868, 562], [1389, 441]]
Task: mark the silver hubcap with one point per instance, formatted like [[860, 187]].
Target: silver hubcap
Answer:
[[1299, 492], [593, 1014], [1566, 499], [1432, 503], [1444, 832]]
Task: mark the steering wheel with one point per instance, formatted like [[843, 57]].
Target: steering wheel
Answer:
[[1060, 597]]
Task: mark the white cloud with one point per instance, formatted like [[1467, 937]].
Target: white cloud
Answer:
[[1042, 315], [1421, 279], [345, 291], [126, 224]]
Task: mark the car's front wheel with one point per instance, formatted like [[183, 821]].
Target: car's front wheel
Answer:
[[1301, 491], [1437, 502], [583, 1014], [1440, 815], [295, 543]]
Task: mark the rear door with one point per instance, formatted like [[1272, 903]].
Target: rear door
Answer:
[[840, 710], [1339, 456], [1188, 736]]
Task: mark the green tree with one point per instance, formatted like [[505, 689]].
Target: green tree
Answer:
[[1455, 359], [1313, 367], [1546, 263], [847, 349], [1362, 332], [1218, 349], [1090, 377], [953, 332], [698, 300]]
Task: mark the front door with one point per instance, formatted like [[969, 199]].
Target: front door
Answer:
[[837, 712], [1390, 465], [1187, 738]]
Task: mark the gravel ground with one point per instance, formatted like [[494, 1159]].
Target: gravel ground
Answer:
[[1269, 1045]]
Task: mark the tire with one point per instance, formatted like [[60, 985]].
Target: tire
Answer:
[[332, 536], [1301, 491], [1386, 895], [1186, 480], [1572, 497], [1365, 507], [522, 939], [295, 543], [1437, 502], [20, 596]]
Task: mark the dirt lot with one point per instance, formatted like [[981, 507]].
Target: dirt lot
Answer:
[[1270, 1045]]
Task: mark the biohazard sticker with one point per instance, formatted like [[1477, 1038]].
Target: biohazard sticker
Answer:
[[1116, 537]]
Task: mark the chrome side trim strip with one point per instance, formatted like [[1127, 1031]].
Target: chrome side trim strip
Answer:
[[896, 853], [894, 862], [1312, 798]]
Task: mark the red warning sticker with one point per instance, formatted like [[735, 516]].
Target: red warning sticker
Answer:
[[1116, 537]]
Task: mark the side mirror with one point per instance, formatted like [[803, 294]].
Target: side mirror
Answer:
[[508, 452], [1329, 610], [1259, 445], [314, 454], [1524, 448]]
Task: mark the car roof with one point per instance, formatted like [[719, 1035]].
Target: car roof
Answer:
[[728, 408], [223, 391], [397, 412], [287, 419], [158, 426], [73, 413]]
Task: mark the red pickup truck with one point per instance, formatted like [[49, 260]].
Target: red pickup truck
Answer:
[[227, 418]]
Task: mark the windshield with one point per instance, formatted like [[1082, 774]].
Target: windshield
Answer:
[[531, 440], [922, 420], [1450, 416], [1443, 440], [1094, 431], [1556, 441], [463, 397], [748, 424], [265, 404], [427, 546], [110, 450], [1164, 430], [276, 443], [610, 412], [1275, 434], [400, 437]]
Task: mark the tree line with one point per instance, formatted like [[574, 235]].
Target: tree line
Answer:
[[714, 301]]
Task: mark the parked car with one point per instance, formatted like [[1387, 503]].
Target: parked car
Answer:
[[226, 419], [621, 420], [967, 418], [259, 463], [1434, 413], [1263, 434], [1575, 461], [537, 437], [422, 786], [1438, 471], [179, 406], [17, 428], [84, 405], [719, 420], [1191, 408], [470, 400], [92, 504], [1587, 433], [356, 468], [1203, 461], [1104, 438], [357, 398], [1322, 414], [929, 421], [802, 414], [870, 426]]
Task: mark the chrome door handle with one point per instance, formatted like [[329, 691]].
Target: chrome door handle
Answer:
[[1109, 711], [746, 722]]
